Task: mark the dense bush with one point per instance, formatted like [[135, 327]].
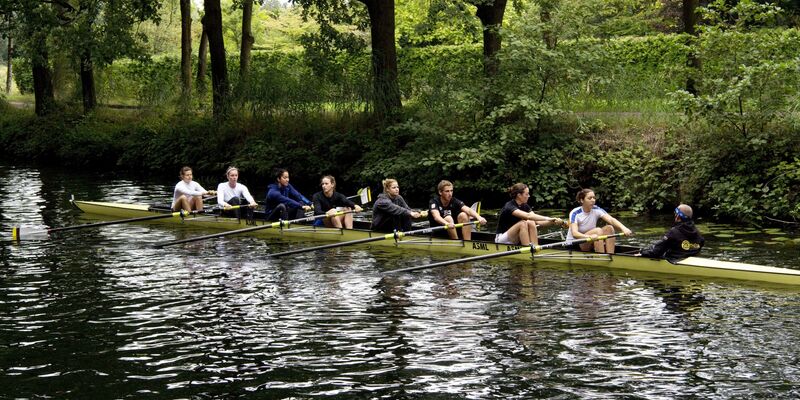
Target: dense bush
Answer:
[[732, 152]]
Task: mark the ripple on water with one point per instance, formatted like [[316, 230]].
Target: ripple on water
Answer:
[[104, 313]]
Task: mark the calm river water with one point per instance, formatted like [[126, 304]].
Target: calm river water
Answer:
[[100, 313]]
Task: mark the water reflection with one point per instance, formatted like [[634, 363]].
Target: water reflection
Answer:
[[101, 313]]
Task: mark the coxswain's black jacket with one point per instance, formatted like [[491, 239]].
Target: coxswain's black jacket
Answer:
[[683, 240]]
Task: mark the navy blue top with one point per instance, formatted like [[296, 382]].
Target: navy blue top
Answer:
[[284, 195]]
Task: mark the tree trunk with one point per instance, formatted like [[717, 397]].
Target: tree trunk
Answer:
[[386, 90], [550, 39], [10, 58], [42, 83], [87, 83], [212, 21], [689, 20], [491, 15], [247, 41], [202, 63], [186, 51]]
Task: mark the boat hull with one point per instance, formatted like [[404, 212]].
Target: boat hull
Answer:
[[692, 266]]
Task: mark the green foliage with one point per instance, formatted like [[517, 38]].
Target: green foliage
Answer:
[[305, 110], [748, 81], [439, 22], [780, 195], [441, 80], [613, 18], [635, 178], [23, 76]]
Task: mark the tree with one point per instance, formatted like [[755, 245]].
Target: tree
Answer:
[[34, 22], [186, 51], [247, 41], [202, 62], [490, 13], [380, 19], [212, 25], [689, 20], [9, 57], [101, 31]]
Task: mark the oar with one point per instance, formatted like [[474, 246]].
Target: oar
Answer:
[[521, 250], [395, 235], [20, 233], [278, 224], [364, 194]]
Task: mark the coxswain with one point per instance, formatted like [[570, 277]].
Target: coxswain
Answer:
[[681, 241]]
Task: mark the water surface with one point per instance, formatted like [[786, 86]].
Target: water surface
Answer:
[[102, 314]]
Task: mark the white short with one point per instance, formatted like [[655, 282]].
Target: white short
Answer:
[[502, 238]]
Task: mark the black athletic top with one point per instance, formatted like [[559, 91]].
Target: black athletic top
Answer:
[[453, 209], [506, 219], [323, 203]]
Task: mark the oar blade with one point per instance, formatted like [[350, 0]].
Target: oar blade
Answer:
[[476, 206], [365, 195], [19, 233]]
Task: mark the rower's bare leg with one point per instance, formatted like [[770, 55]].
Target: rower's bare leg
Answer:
[[452, 233], [182, 204], [466, 230], [348, 221], [598, 246], [525, 232], [332, 222], [197, 202], [338, 221], [515, 233], [533, 232], [610, 243]]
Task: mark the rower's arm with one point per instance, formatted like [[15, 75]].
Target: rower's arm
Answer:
[[575, 232], [472, 213], [537, 217], [438, 217], [616, 224], [521, 214]]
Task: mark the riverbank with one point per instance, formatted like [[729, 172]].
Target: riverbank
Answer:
[[640, 162]]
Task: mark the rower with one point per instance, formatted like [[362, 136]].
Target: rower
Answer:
[[517, 223], [283, 200], [583, 224], [445, 209], [328, 201], [391, 212], [188, 194], [681, 241], [233, 193]]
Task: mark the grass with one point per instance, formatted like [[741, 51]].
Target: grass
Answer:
[[9, 96]]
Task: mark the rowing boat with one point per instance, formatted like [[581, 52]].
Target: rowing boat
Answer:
[[481, 244]]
